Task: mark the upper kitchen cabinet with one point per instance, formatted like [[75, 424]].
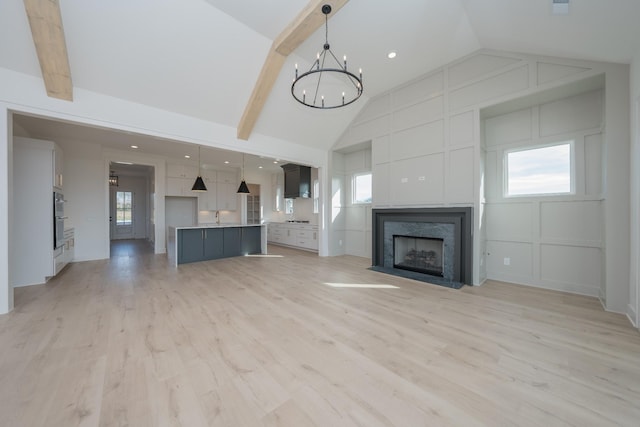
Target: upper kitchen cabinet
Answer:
[[208, 201], [227, 186], [182, 171], [221, 191], [58, 167], [180, 179], [297, 181]]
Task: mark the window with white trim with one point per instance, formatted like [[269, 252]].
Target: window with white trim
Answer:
[[362, 188], [541, 170]]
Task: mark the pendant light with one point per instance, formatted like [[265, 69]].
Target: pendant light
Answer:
[[199, 186], [243, 185]]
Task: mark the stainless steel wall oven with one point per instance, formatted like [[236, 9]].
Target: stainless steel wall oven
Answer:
[[58, 220]]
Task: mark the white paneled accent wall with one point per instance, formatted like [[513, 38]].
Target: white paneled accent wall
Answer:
[[552, 241], [428, 141], [351, 223]]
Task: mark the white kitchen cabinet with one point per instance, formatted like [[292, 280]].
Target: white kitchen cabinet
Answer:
[[180, 179], [180, 187], [64, 255], [69, 245], [227, 198], [177, 170], [208, 201], [300, 236], [221, 187], [307, 237], [32, 254], [227, 187], [226, 177]]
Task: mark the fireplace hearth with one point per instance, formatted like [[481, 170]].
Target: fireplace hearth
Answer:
[[432, 245]]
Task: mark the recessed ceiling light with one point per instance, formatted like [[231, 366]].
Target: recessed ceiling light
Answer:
[[226, 162], [259, 167], [275, 162], [186, 156], [134, 146], [560, 7], [391, 54]]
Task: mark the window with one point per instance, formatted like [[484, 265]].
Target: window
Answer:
[[123, 207], [362, 188], [288, 206], [540, 170]]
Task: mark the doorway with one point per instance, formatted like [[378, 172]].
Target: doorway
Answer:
[[123, 209], [131, 202]]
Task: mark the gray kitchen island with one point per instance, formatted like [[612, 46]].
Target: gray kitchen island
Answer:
[[213, 241]]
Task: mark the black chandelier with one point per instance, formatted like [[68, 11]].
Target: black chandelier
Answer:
[[340, 87]]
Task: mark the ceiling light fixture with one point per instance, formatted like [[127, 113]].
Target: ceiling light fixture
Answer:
[[186, 156], [198, 185], [391, 54], [560, 7], [113, 179], [331, 95], [134, 146], [243, 189]]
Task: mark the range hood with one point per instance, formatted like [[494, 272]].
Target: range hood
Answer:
[[297, 181]]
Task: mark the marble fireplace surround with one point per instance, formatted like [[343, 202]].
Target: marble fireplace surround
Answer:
[[453, 225]]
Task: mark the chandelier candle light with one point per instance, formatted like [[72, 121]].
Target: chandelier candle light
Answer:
[[340, 86]]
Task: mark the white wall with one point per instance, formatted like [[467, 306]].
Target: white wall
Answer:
[[356, 226], [426, 142], [6, 201], [85, 188], [556, 242], [337, 215], [633, 309]]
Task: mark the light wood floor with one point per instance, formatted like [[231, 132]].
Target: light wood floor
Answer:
[[298, 340]]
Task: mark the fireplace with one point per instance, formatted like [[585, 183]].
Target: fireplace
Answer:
[[420, 254], [429, 244]]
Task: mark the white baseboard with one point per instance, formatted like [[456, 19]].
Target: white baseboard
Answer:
[[603, 299], [632, 315]]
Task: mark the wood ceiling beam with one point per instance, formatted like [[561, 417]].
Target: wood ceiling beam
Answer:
[[306, 23], [45, 20]]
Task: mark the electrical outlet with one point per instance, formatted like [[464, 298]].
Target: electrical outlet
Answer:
[[507, 261]]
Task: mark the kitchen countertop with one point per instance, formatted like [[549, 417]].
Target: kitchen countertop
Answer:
[[294, 223], [214, 225]]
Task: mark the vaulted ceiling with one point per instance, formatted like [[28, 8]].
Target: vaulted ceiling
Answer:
[[202, 57]]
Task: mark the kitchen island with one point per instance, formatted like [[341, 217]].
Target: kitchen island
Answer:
[[213, 241]]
